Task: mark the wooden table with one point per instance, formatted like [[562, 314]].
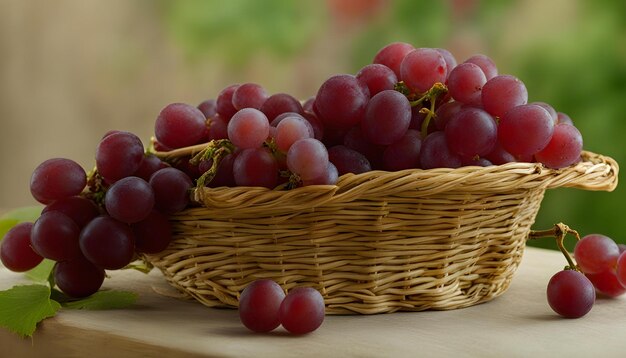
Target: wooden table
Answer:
[[518, 324]]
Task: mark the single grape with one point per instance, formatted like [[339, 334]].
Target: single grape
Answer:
[[218, 128], [302, 311], [308, 158], [57, 178], [403, 153], [451, 62], [500, 156], [316, 125], [171, 190], [107, 243], [621, 266], [422, 68], [130, 200], [55, 236], [502, 93], [153, 234], [392, 55], [290, 130], [330, 177], [570, 294], [550, 109], [596, 253], [486, 64], [249, 95], [606, 283], [377, 78], [563, 149], [471, 132], [387, 117], [180, 125], [81, 210], [208, 108], [341, 101], [466, 82], [259, 304], [280, 103], [444, 113], [308, 105], [475, 161], [78, 278], [563, 118], [16, 251], [356, 140], [224, 100], [525, 130], [149, 165], [248, 128], [119, 155], [347, 160], [435, 152], [256, 167]]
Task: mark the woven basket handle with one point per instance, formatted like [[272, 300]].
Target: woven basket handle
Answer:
[[595, 172]]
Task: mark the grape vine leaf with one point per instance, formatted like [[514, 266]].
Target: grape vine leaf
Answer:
[[103, 300], [41, 272], [22, 307], [16, 216]]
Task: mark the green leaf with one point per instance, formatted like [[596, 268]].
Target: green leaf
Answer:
[[14, 217], [22, 307], [103, 300], [41, 273]]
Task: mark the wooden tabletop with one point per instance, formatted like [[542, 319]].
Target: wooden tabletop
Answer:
[[518, 324]]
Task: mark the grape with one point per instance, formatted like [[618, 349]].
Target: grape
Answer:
[[404, 153], [224, 175], [622, 248], [291, 129], [308, 158], [570, 294], [107, 243], [392, 55], [563, 118], [502, 93], [149, 165], [248, 128], [259, 305], [347, 160], [341, 101], [279, 118], [500, 156], [435, 152], [55, 236], [256, 167], [475, 161], [249, 95], [308, 105], [449, 58], [525, 130], [486, 64], [225, 106], [218, 128], [550, 109], [444, 113], [387, 117], [355, 139], [119, 155], [621, 266], [153, 234], [78, 278], [171, 190], [302, 311], [16, 252], [596, 253], [280, 103], [563, 149], [57, 178], [208, 108], [180, 125], [471, 132], [465, 83], [329, 177], [130, 200], [606, 283], [377, 78], [422, 68], [81, 210], [316, 125]]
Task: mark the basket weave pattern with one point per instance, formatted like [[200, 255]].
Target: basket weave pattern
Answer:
[[376, 242]]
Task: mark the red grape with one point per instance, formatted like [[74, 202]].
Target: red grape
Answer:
[[291, 129], [596, 253], [329, 177], [130, 200], [302, 311], [57, 178], [377, 78], [16, 251], [119, 155], [256, 167], [308, 158], [606, 283], [563, 149], [502, 93], [149, 165], [171, 190], [180, 125], [449, 58], [435, 152], [224, 100], [248, 128], [341, 101], [422, 68], [218, 128], [78, 278], [55, 236], [525, 130], [571, 294], [471, 132], [259, 304], [621, 266], [280, 103], [465, 83], [387, 117], [249, 95], [81, 210], [208, 108], [392, 55], [153, 234], [347, 160], [107, 243], [403, 153], [486, 64]]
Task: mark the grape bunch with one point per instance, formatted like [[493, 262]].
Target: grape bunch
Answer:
[[263, 306], [98, 222], [601, 268]]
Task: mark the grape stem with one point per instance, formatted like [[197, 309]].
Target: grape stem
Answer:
[[559, 231], [438, 89], [216, 150]]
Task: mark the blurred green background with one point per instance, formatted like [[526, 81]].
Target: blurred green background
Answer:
[[71, 70]]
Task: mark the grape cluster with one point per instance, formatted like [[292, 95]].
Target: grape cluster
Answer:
[[263, 306], [601, 268], [98, 222], [410, 108]]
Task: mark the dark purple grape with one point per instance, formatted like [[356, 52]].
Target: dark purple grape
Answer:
[[280, 103], [347, 160], [355, 139], [316, 124], [149, 165], [571, 294], [57, 178], [208, 108], [403, 153], [249, 95], [81, 210], [153, 234], [471, 132], [119, 155], [78, 278], [435, 153], [377, 78], [387, 117], [259, 304], [218, 128], [130, 200], [16, 251], [55, 236], [225, 106], [341, 101], [107, 243], [224, 175], [445, 112], [180, 125], [256, 167], [500, 156], [302, 311], [171, 190]]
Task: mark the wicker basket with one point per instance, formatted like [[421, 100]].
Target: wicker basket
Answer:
[[376, 242]]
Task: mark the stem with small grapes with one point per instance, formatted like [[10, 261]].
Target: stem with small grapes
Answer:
[[558, 231]]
